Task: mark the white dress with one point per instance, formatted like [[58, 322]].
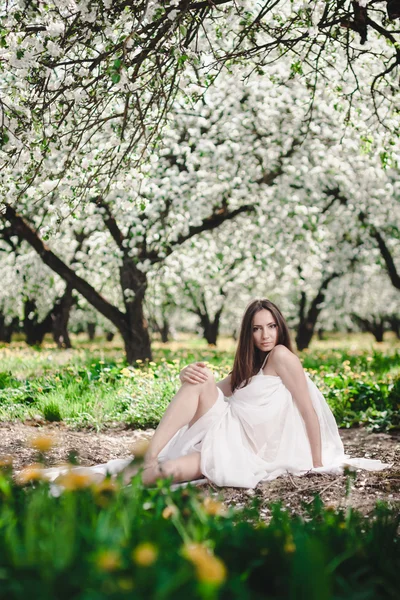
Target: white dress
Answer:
[[256, 435], [259, 434]]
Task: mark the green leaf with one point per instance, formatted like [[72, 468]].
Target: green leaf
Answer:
[[4, 138]]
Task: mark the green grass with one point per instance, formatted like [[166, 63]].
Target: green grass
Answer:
[[91, 386], [108, 541]]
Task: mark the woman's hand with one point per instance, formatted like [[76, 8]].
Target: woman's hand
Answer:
[[194, 373]]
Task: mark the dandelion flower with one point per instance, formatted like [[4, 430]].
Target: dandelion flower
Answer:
[[126, 372], [6, 461], [145, 554], [126, 584], [289, 546], [213, 507], [108, 560], [42, 443], [209, 568], [169, 511], [74, 481], [33, 472], [139, 448]]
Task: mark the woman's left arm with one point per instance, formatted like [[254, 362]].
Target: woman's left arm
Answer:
[[290, 370]]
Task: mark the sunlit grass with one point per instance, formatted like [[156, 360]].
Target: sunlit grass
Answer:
[[91, 385]]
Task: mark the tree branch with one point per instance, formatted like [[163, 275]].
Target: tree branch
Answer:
[[387, 257], [209, 223], [110, 222], [24, 230]]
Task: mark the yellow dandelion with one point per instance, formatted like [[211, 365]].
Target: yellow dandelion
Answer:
[[139, 361], [6, 461], [139, 448], [209, 568], [33, 472], [169, 511], [108, 560], [107, 486], [342, 525], [74, 481], [126, 372], [289, 547], [213, 507], [125, 583], [42, 443], [145, 554], [152, 363]]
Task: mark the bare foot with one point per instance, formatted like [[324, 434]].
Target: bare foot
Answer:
[[151, 472]]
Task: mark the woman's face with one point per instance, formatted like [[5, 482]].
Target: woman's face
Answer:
[[265, 330]]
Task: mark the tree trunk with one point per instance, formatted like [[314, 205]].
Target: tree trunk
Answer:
[[136, 331], [378, 332], [394, 323], [305, 332], [165, 331], [210, 327], [6, 330], [376, 326], [91, 330], [60, 316], [35, 331], [307, 322], [131, 325]]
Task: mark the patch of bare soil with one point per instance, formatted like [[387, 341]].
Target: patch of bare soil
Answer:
[[366, 488], [95, 448]]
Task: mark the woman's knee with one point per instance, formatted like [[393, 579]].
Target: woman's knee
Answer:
[[210, 378], [208, 383]]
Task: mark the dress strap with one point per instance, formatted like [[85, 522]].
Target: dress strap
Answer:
[[265, 361]]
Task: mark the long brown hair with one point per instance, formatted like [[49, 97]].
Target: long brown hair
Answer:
[[248, 358]]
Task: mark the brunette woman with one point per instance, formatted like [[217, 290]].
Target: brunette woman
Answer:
[[265, 419]]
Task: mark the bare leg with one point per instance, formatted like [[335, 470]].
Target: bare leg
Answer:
[[184, 468], [188, 405]]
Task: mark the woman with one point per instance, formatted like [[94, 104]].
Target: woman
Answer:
[[274, 422]]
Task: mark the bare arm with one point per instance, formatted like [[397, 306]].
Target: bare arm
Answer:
[[290, 370], [225, 386], [196, 373]]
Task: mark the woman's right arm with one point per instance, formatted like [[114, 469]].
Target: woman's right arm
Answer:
[[197, 373]]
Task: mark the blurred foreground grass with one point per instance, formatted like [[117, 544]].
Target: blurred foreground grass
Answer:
[[105, 540]]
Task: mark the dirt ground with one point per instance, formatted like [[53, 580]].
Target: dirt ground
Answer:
[[95, 448]]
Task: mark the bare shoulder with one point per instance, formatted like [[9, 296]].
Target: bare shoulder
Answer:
[[283, 357], [280, 352]]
